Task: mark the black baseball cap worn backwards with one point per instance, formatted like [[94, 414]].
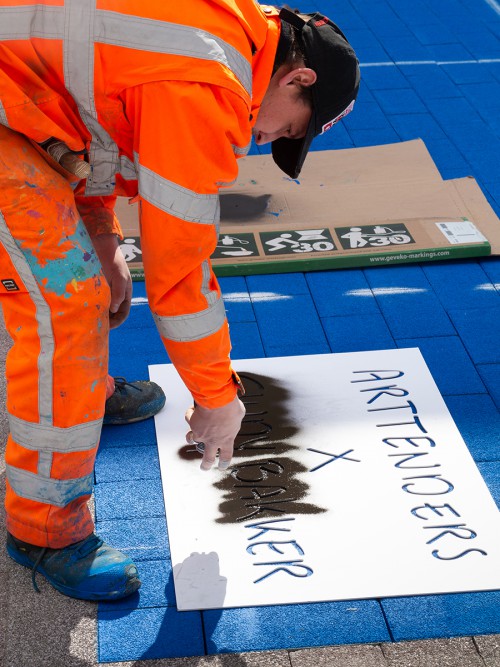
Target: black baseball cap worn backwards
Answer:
[[330, 55]]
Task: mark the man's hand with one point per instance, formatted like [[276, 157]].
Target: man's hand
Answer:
[[117, 274], [216, 428]]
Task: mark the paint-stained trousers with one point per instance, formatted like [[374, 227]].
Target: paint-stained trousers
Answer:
[[55, 302]]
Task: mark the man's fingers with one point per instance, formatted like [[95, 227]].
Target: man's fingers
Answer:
[[207, 463], [119, 308], [213, 430], [121, 294], [199, 446], [187, 417], [118, 294], [224, 454], [115, 319], [208, 458]]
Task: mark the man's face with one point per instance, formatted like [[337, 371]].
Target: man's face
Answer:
[[284, 111]]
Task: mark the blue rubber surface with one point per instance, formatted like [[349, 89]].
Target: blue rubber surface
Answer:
[[430, 70]]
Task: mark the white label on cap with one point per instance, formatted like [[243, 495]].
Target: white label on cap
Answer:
[[332, 122]]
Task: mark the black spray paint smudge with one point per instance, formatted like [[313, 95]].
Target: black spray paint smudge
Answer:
[[267, 486], [263, 482]]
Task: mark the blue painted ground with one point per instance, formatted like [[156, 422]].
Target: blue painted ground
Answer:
[[430, 70]]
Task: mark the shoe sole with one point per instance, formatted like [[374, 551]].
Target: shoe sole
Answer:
[[131, 587], [123, 422]]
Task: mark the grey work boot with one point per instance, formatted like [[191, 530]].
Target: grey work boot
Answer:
[[133, 401], [88, 570]]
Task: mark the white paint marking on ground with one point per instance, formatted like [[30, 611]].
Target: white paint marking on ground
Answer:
[[231, 297], [255, 296], [383, 291], [495, 6]]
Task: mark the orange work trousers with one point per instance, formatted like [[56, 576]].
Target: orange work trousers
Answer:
[[55, 301]]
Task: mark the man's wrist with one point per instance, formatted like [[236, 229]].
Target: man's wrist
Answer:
[[222, 399]]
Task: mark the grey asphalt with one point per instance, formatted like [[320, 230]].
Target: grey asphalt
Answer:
[[51, 630]]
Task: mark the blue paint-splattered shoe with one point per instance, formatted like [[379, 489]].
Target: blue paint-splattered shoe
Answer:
[[133, 401], [88, 570]]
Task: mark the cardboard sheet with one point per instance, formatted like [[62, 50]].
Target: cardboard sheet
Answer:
[[408, 161], [350, 480], [358, 207]]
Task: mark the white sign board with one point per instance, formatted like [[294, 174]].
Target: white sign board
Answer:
[[350, 480]]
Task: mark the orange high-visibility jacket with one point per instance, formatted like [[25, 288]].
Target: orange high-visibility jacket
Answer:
[[161, 96]]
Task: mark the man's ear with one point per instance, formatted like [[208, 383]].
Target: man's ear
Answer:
[[302, 76]]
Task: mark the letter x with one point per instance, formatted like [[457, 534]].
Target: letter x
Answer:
[[334, 457]]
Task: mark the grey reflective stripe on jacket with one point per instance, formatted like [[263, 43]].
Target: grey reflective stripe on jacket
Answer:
[[144, 34], [78, 59], [81, 25], [44, 437], [23, 22], [192, 207], [177, 200], [127, 169], [3, 116], [241, 152], [188, 328], [195, 326]]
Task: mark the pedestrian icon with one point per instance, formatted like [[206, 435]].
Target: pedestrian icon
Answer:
[[131, 249], [373, 236]]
